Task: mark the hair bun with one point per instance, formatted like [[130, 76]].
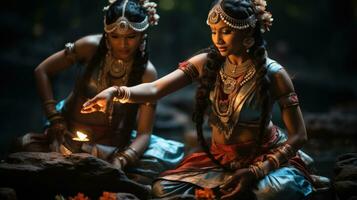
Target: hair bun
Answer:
[[265, 17]]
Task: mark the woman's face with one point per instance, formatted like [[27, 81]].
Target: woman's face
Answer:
[[227, 40], [124, 44]]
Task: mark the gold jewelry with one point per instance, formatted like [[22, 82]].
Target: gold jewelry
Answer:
[[130, 155], [123, 24], [113, 70], [274, 160], [123, 95], [229, 77], [248, 42], [50, 101], [117, 67], [217, 13]]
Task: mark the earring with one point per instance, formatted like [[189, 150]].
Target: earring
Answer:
[[248, 42], [107, 44], [143, 45]]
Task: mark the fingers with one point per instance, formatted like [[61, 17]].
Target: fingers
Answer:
[[89, 106], [89, 102], [93, 106], [116, 162], [229, 183], [233, 193]]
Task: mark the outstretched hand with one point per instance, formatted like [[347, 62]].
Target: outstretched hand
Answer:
[[241, 181], [101, 102]]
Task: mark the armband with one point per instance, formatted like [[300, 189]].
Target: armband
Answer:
[[190, 70], [288, 100]]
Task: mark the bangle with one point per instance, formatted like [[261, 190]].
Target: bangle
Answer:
[[123, 94], [55, 118], [274, 160], [50, 101], [286, 152], [131, 155]]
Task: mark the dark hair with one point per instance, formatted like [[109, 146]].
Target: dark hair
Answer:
[[133, 12], [240, 10]]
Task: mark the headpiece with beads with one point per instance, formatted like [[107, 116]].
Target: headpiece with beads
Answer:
[[217, 13], [123, 24]]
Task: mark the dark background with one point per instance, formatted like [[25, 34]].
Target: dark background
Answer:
[[314, 40]]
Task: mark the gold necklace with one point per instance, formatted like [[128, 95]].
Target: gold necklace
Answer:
[[234, 71], [230, 83], [112, 67]]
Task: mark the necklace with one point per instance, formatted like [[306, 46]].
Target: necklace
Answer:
[[113, 71], [232, 78], [117, 67], [234, 71]]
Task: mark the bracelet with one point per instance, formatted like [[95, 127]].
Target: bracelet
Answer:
[[285, 152], [123, 94], [131, 155], [274, 160], [50, 101], [55, 118]]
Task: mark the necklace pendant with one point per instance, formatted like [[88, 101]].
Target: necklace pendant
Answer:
[[229, 85], [223, 106], [117, 69]]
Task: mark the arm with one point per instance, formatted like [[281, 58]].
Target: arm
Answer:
[[170, 83], [146, 92], [146, 116], [81, 51], [283, 90]]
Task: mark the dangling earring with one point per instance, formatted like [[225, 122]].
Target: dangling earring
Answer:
[[248, 42], [107, 44], [143, 45]]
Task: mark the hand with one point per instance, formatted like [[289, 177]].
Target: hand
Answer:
[[102, 102], [119, 162], [241, 181], [56, 133]]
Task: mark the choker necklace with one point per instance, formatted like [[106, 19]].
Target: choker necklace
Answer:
[[231, 80], [117, 67], [234, 71]]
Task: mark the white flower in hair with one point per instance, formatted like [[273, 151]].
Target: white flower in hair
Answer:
[[150, 8]]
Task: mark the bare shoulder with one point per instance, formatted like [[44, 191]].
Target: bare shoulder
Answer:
[[199, 61], [86, 46], [281, 82], [150, 73]]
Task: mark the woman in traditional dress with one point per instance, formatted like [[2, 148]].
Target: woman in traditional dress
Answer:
[[248, 156], [118, 57]]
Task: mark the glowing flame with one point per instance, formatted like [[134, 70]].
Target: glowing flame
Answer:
[[81, 137]]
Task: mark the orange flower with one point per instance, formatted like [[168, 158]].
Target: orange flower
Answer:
[[205, 194], [79, 196]]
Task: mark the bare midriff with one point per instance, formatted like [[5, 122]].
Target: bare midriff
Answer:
[[240, 135]]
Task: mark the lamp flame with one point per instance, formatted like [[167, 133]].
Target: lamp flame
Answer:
[[81, 137]]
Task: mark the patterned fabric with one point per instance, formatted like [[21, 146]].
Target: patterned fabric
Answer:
[[198, 171], [291, 181], [161, 155]]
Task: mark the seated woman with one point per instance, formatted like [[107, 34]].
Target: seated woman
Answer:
[[249, 156], [118, 57]]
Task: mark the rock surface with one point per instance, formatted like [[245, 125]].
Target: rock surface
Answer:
[[36, 175]]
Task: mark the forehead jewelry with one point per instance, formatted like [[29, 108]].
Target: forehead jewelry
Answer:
[[123, 24], [217, 13]]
